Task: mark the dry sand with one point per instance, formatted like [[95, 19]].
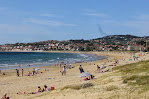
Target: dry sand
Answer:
[[11, 84]]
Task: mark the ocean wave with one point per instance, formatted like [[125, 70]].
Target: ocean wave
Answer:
[[51, 60], [39, 59], [83, 55], [3, 64]]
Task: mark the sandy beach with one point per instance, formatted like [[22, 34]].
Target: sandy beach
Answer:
[[11, 84]]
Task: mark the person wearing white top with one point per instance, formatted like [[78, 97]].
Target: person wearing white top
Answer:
[[64, 70]]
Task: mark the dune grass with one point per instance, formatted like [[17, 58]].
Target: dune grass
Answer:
[[77, 87], [136, 74]]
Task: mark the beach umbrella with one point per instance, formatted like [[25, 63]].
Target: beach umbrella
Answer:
[[103, 67], [84, 74], [37, 69]]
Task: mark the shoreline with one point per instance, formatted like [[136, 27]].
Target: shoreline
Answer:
[[14, 84]]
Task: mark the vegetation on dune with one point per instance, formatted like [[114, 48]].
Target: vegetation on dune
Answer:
[[136, 74], [77, 87]]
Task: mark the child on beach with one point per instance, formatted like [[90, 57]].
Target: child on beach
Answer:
[[28, 73]]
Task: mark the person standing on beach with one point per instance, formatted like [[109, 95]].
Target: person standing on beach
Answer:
[[98, 68], [33, 72], [64, 70], [17, 72], [22, 72], [81, 69]]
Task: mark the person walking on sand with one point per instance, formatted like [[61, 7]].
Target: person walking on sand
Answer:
[[17, 72], [64, 70]]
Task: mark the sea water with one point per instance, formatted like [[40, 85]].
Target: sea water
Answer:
[[11, 60]]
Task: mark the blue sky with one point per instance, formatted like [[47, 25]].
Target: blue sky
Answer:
[[39, 20]]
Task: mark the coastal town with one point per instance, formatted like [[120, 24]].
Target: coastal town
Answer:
[[107, 43]]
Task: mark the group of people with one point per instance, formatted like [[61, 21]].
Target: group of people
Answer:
[[89, 78], [18, 74], [135, 58], [41, 90], [28, 74]]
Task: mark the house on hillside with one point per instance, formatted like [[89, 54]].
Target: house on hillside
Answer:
[[134, 47]]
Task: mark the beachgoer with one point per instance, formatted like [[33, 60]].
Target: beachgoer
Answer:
[[85, 79], [70, 66], [134, 57], [81, 69], [33, 72], [91, 77], [38, 90], [98, 68], [64, 70], [0, 71], [28, 73], [17, 72], [22, 72], [4, 96], [45, 88], [116, 61]]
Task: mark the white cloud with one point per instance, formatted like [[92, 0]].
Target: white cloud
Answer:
[[96, 14], [50, 15], [49, 22], [142, 17], [21, 29]]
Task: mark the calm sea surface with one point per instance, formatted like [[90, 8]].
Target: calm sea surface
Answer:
[[10, 60]]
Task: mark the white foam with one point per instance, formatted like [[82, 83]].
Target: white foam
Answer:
[[51, 60]]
